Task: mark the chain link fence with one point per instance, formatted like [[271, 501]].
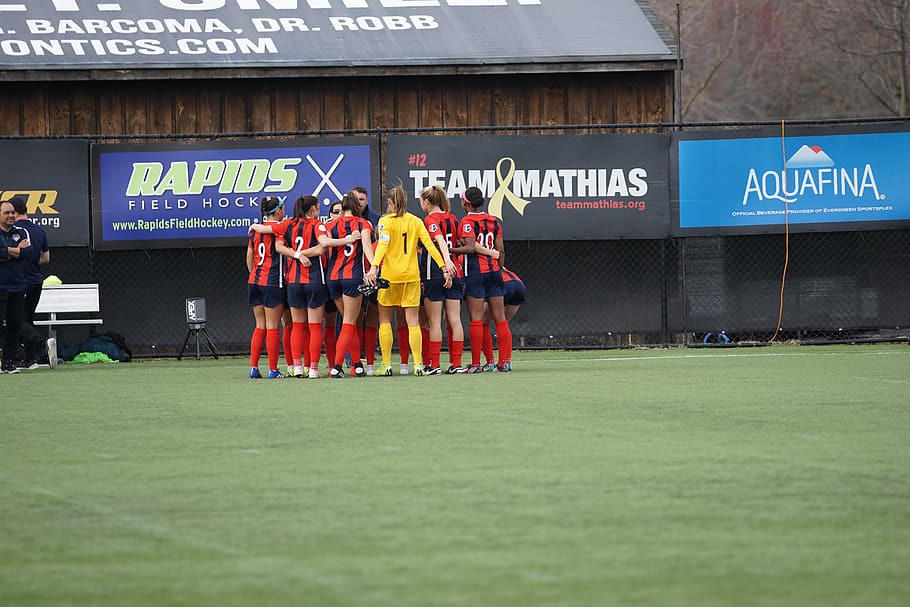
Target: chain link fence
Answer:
[[841, 286], [735, 290]]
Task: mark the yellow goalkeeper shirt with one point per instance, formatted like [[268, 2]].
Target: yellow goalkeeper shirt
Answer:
[[397, 248]]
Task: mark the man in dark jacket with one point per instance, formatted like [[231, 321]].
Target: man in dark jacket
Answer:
[[37, 254], [13, 243]]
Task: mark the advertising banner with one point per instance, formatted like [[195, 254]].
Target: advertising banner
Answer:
[[207, 194], [546, 187], [148, 34], [52, 177], [820, 180]]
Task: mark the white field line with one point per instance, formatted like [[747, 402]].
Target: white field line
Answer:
[[659, 357]]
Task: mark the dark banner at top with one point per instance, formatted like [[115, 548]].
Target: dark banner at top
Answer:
[[144, 34], [547, 187], [52, 177]]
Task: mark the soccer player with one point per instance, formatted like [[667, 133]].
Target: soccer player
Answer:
[[513, 300], [443, 229], [265, 290], [399, 233], [306, 285], [370, 321], [351, 235], [483, 278]]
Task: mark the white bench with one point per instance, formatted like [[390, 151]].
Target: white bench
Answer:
[[68, 300]]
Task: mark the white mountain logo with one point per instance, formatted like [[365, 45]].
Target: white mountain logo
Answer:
[[809, 157]]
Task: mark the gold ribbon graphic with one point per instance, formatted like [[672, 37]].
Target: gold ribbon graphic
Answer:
[[503, 191]]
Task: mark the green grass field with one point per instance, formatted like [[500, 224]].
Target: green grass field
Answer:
[[763, 476]]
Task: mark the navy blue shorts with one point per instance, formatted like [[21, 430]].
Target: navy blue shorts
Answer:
[[434, 291], [310, 295], [484, 286], [345, 286], [515, 293], [270, 297]]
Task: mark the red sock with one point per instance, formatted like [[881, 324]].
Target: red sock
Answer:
[[347, 342], [273, 347], [369, 344], [315, 344], [488, 343], [404, 347], [256, 343], [305, 345], [456, 348], [475, 331], [341, 344], [504, 337], [425, 345], [331, 339], [286, 343], [298, 337], [435, 347]]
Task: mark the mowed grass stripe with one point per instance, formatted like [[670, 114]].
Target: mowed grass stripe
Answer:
[[704, 480]]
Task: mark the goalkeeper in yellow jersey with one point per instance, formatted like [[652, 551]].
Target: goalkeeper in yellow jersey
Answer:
[[398, 235]]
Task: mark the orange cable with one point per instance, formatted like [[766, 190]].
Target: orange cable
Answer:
[[783, 278]]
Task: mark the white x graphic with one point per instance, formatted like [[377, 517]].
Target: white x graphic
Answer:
[[326, 177]]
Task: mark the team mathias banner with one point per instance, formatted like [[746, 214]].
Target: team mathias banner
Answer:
[[546, 187]]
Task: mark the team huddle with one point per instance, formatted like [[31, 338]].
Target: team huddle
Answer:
[[305, 274]]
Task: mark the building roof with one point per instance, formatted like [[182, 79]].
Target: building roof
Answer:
[[152, 38]]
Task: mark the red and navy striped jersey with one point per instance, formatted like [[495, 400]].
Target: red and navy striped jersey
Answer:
[[508, 275], [268, 267], [446, 225], [303, 234], [485, 229], [347, 261]]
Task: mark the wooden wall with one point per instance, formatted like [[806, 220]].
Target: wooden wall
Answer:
[[175, 107]]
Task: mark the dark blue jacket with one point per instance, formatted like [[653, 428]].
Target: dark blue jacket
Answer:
[[37, 237], [12, 277]]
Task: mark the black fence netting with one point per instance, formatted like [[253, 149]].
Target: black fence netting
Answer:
[[693, 290], [596, 294]]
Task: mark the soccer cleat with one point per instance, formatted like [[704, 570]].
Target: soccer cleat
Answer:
[[314, 374], [254, 373], [428, 370], [371, 370], [455, 370], [491, 366], [358, 370], [52, 353], [418, 371], [383, 371], [503, 367], [275, 374], [337, 372], [403, 369], [297, 371], [474, 369], [9, 369]]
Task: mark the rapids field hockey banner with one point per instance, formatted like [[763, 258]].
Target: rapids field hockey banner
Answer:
[[52, 177], [819, 180], [546, 187], [207, 194]]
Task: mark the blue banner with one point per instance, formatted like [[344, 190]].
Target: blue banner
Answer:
[[817, 182], [207, 194]]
